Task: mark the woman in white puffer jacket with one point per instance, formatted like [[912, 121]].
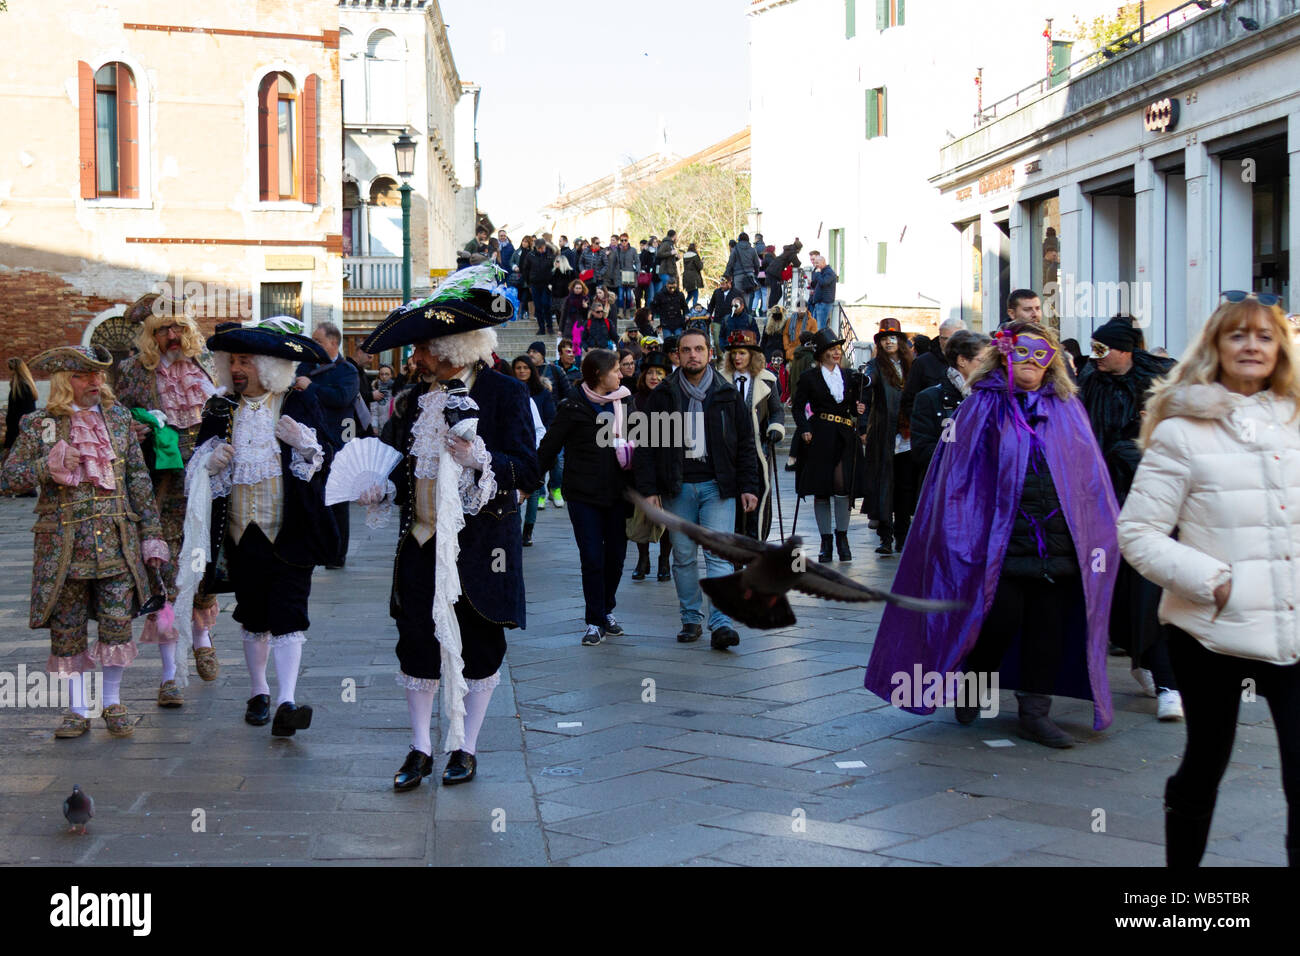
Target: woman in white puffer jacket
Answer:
[[1222, 470]]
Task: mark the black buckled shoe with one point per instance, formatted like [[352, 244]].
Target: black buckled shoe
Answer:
[[460, 768], [690, 633], [723, 638], [842, 545], [291, 718], [418, 765], [259, 710]]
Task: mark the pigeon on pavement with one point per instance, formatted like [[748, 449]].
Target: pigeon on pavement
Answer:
[[78, 808], [755, 596]]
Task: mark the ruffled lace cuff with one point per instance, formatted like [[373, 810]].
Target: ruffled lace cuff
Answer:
[[486, 684], [220, 482], [155, 548], [478, 484], [74, 664], [426, 684], [114, 655], [304, 463]]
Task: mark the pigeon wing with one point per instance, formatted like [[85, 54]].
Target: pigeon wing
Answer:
[[825, 583], [733, 547]]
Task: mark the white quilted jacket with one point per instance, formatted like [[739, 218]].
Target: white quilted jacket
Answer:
[[1224, 470]]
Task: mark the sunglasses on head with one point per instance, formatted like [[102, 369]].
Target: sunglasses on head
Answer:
[[1266, 299], [1100, 351]]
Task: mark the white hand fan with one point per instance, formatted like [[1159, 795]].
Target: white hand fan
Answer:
[[362, 464]]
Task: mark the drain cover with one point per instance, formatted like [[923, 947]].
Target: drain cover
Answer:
[[562, 771], [685, 713]]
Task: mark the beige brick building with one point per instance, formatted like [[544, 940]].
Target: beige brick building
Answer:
[[154, 142]]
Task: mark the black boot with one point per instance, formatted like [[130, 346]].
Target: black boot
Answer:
[[827, 554], [886, 536], [1035, 725], [842, 545], [1186, 833], [528, 536], [665, 553], [642, 562]]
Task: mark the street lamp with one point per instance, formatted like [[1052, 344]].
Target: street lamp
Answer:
[[404, 152]]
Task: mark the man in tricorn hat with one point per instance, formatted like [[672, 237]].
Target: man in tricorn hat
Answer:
[[264, 451], [96, 527], [164, 386], [458, 576]]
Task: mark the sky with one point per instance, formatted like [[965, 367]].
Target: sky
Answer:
[[571, 99]]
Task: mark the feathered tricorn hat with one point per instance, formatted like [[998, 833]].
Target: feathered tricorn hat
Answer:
[[467, 300]]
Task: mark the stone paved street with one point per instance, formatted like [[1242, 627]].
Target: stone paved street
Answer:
[[638, 752]]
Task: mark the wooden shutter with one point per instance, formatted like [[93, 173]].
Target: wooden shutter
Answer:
[[128, 139], [899, 21], [86, 128], [309, 159], [850, 19], [873, 129], [882, 14], [882, 117], [881, 248], [268, 165]]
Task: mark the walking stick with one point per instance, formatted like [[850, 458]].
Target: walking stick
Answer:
[[776, 491]]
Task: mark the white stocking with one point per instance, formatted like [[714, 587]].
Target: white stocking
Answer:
[[168, 654], [77, 695], [201, 638], [419, 704], [113, 685], [288, 655], [256, 654], [476, 705]]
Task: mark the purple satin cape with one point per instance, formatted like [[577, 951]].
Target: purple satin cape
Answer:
[[963, 525]]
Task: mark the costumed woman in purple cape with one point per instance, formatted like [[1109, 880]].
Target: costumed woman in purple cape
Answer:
[[1017, 520]]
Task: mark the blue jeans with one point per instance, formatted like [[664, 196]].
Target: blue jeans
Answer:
[[601, 535], [530, 514], [758, 300], [692, 298], [659, 283], [542, 308], [822, 313], [626, 296], [557, 475], [701, 503]]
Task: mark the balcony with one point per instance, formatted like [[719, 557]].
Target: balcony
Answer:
[[372, 274]]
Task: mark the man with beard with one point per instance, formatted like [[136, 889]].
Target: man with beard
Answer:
[[165, 386], [1113, 388], [96, 528], [265, 451], [458, 575]]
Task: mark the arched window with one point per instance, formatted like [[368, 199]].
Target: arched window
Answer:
[[286, 139], [109, 131], [385, 82]]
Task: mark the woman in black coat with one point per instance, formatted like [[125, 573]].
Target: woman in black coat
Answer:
[[539, 393], [826, 404], [654, 369], [22, 399], [591, 428], [889, 491]]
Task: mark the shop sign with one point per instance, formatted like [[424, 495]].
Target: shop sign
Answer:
[[1160, 116], [999, 179]]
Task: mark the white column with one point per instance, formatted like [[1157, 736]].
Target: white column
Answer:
[[1202, 246], [1147, 292], [1076, 249], [991, 240], [1173, 233], [1021, 245], [1235, 235]]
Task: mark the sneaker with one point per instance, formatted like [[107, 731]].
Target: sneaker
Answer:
[[541, 503], [1145, 680], [557, 499], [592, 637], [612, 626], [1169, 705]]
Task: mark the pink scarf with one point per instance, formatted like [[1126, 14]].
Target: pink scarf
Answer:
[[622, 447]]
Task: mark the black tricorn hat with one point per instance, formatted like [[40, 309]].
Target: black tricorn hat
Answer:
[[269, 337], [467, 300], [823, 340], [656, 359]]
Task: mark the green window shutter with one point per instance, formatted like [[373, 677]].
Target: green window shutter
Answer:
[[850, 19], [883, 119], [872, 127], [882, 14], [1060, 61], [880, 256], [900, 13]]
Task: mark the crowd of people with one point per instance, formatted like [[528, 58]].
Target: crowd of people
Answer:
[[1078, 506]]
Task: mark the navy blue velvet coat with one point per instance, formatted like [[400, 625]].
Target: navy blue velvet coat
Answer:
[[506, 427]]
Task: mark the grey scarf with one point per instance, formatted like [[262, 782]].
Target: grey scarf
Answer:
[[695, 395]]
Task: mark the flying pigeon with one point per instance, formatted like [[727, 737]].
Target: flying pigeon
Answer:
[[755, 596], [78, 808]]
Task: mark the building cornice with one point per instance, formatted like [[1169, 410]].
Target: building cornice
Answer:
[[758, 7]]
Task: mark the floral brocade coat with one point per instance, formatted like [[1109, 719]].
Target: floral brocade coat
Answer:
[[69, 521]]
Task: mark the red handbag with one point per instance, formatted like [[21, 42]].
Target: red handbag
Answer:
[[587, 275], [643, 279]]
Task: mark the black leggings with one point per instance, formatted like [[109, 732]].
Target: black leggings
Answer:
[[1038, 607], [1211, 685]]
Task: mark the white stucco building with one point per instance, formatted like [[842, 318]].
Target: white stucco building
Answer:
[[1148, 185], [398, 76], [850, 103]]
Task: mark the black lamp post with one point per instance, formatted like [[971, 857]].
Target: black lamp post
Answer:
[[404, 150]]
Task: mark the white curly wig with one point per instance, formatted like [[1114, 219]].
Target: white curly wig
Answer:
[[277, 374], [465, 348]]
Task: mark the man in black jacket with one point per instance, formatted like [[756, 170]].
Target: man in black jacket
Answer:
[[535, 268], [931, 368], [720, 304], [934, 406], [700, 475]]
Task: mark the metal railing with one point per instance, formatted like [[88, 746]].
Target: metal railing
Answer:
[[1095, 58], [372, 273]]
